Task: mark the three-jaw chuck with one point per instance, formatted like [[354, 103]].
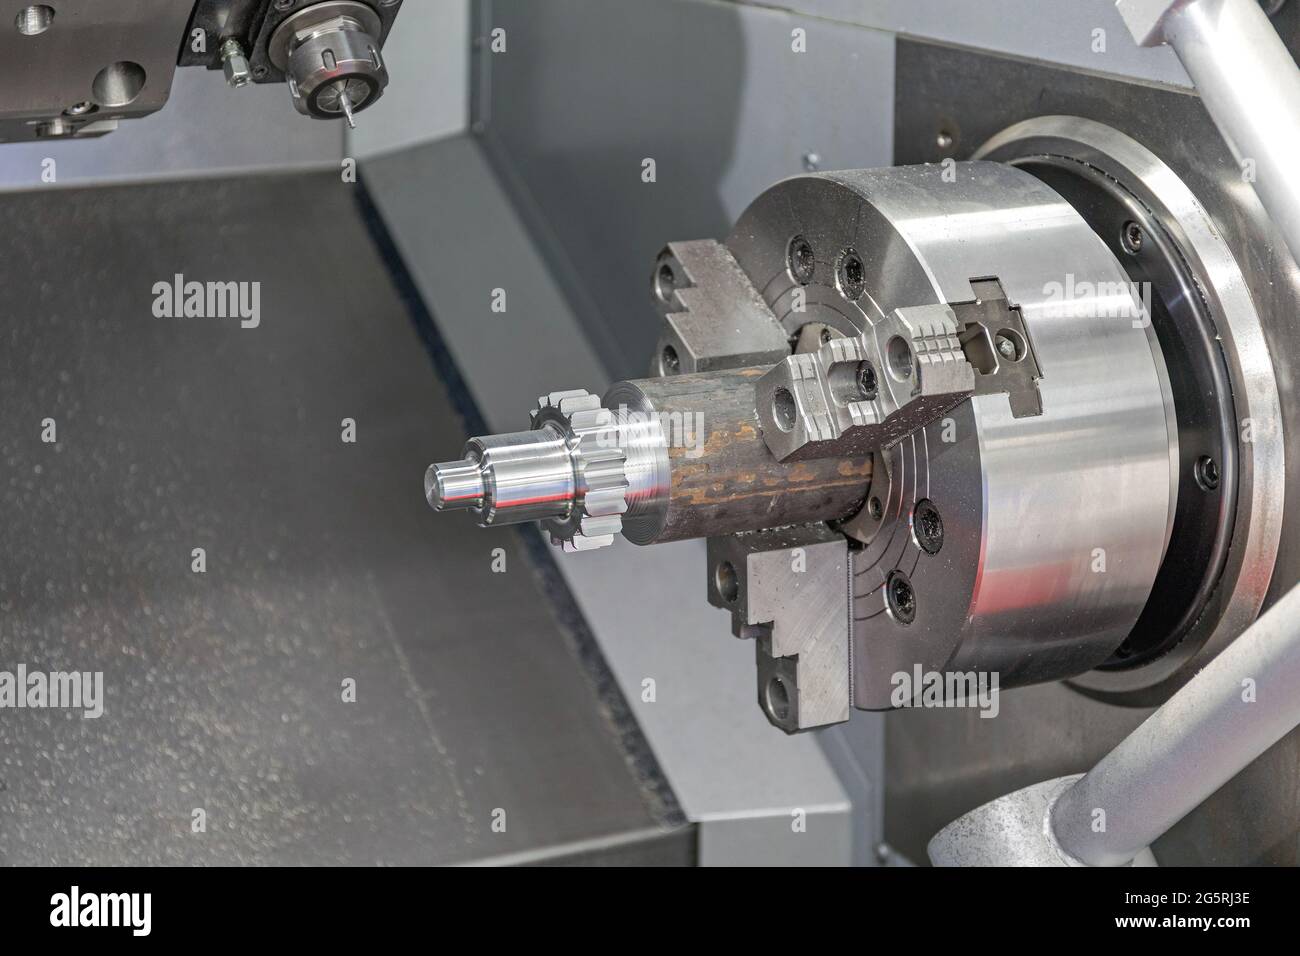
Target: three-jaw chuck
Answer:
[[927, 424]]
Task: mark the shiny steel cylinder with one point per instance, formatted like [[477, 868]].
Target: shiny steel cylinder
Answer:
[[456, 484], [507, 479], [694, 461]]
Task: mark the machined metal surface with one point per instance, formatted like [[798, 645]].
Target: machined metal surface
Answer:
[[331, 54], [1251, 454], [312, 17], [859, 394], [659, 460], [87, 67], [1012, 492], [713, 317], [996, 546], [1054, 730], [787, 590], [569, 470]]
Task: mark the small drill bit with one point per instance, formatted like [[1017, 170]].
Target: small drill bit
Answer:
[[346, 102]]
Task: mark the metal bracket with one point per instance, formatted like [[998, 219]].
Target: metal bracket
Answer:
[[713, 316], [997, 344], [857, 395], [789, 589]]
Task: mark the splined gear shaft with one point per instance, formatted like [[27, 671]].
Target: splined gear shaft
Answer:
[[658, 460], [569, 471]]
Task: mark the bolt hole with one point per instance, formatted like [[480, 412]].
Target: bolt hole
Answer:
[[900, 597], [943, 139], [800, 260], [119, 84], [867, 385], [875, 509], [665, 282], [852, 382], [784, 411], [669, 363], [778, 699], [899, 355], [851, 276], [1207, 473], [728, 585], [927, 526], [1011, 345], [34, 20]]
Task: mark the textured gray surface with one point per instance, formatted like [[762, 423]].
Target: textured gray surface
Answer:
[[223, 688]]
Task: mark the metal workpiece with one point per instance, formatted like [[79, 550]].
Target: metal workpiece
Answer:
[[788, 591], [658, 460], [722, 477], [569, 470], [330, 53], [857, 395], [713, 317], [1239, 705], [1248, 81]]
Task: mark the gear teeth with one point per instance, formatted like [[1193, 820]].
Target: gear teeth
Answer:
[[582, 543], [572, 406], [606, 502], [574, 400], [567, 403], [602, 527], [553, 399], [587, 419], [600, 467]]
